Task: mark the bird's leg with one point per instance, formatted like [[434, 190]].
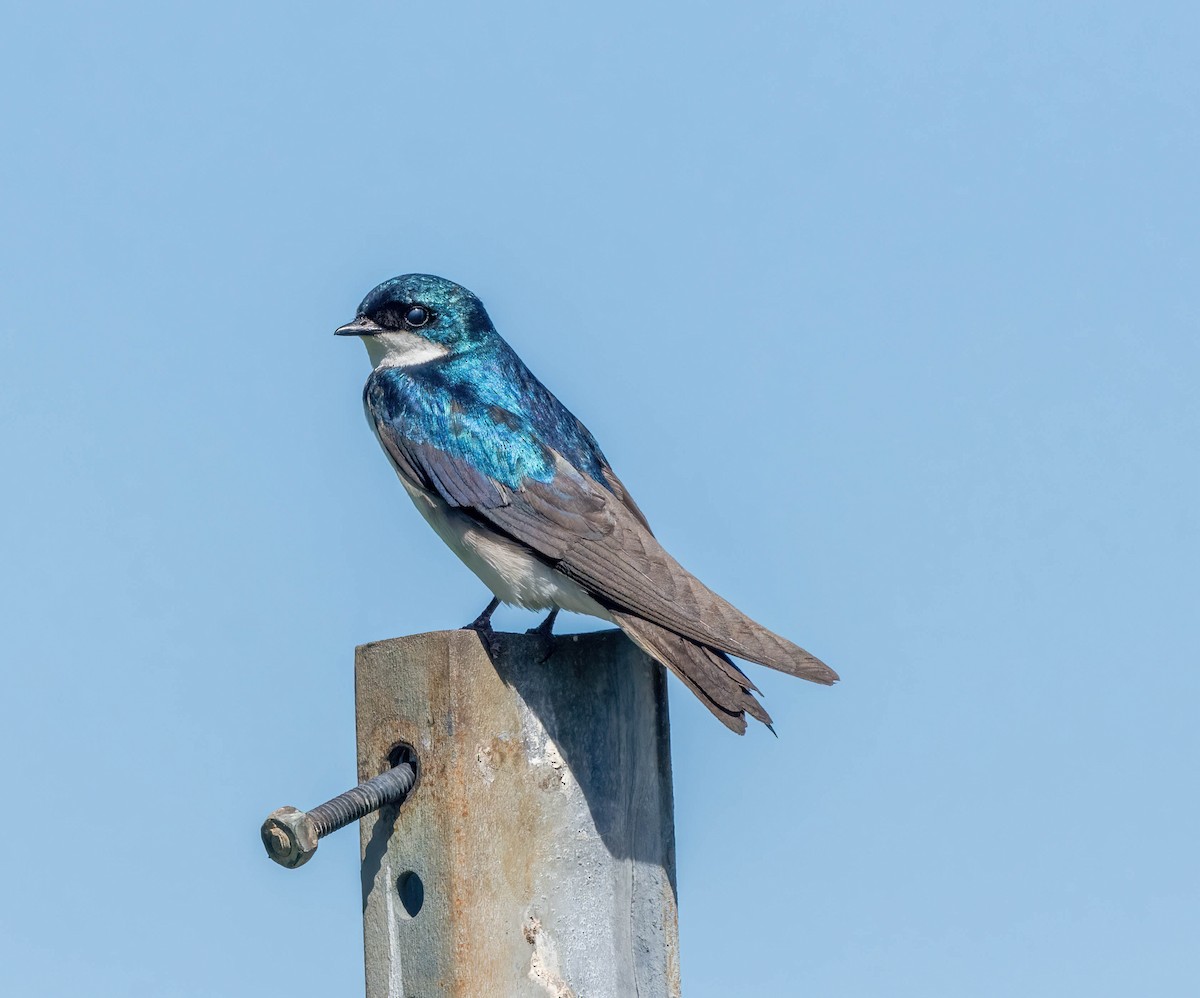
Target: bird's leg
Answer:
[[544, 632], [483, 623], [546, 627]]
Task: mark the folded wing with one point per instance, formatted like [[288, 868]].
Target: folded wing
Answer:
[[599, 538]]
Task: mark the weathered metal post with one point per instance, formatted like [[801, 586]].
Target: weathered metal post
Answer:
[[536, 854]]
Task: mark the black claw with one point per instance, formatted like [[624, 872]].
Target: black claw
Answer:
[[546, 627], [544, 632], [483, 623]]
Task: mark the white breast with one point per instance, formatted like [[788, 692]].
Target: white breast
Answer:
[[506, 568]]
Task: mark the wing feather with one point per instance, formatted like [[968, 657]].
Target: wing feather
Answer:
[[590, 536]]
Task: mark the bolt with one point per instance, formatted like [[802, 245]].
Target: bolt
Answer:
[[280, 841], [290, 835]]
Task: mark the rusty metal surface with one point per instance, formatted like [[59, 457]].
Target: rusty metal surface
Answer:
[[536, 854]]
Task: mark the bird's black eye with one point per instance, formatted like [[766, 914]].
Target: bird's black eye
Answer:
[[418, 315]]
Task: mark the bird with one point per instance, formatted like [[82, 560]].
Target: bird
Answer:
[[518, 488]]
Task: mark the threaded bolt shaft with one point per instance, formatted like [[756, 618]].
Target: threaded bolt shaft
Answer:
[[290, 835], [391, 787]]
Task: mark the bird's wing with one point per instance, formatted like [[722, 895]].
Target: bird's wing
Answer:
[[617, 487], [602, 542]]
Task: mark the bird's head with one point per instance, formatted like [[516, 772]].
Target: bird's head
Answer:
[[416, 318]]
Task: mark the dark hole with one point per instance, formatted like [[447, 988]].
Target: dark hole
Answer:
[[403, 752], [411, 891]]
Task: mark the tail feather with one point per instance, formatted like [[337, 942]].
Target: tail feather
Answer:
[[729, 630], [719, 684], [689, 608]]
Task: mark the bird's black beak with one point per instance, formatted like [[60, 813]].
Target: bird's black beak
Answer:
[[361, 326]]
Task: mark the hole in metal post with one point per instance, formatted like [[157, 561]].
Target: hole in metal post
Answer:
[[400, 753], [412, 893]]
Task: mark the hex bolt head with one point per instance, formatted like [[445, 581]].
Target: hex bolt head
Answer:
[[290, 837]]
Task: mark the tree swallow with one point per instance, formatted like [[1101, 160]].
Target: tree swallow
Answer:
[[520, 491]]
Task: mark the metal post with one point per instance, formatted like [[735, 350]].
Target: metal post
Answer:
[[536, 854]]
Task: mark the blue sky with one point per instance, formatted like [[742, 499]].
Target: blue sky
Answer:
[[885, 313]]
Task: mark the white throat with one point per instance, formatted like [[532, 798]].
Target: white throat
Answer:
[[400, 348]]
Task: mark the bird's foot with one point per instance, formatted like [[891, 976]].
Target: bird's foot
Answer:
[[544, 632], [484, 621], [482, 625], [546, 627]]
